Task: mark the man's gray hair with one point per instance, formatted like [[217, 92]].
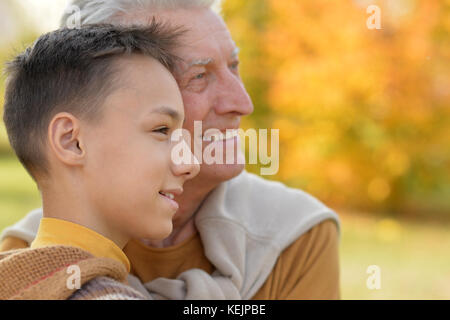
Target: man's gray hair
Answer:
[[113, 11]]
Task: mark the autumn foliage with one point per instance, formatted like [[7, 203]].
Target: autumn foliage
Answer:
[[364, 114]]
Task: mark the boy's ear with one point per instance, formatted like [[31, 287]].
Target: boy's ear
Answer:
[[65, 139]]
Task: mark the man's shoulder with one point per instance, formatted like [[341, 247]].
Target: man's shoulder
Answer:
[[266, 194], [271, 208]]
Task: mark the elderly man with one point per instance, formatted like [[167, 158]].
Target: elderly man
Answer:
[[256, 239]]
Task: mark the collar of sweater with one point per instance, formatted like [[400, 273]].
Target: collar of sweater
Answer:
[[54, 231], [52, 273]]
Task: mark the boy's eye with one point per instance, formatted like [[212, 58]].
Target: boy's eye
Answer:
[[163, 130]]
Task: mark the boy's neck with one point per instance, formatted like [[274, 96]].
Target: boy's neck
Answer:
[[74, 207]]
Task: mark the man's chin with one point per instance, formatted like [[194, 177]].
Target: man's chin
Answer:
[[209, 178], [218, 173]]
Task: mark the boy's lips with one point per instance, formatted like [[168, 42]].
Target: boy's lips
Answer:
[[172, 193], [169, 196]]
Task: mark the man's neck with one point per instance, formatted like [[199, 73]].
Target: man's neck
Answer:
[[177, 236]]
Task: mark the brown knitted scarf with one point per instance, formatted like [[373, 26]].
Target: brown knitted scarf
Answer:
[[42, 273]]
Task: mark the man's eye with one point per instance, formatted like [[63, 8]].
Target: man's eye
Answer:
[[163, 130], [234, 65], [199, 76]]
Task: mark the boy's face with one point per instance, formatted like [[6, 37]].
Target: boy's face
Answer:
[[128, 152]]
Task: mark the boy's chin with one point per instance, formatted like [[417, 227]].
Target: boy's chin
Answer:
[[162, 233]]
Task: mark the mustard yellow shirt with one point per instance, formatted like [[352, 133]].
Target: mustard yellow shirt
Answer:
[[61, 232]]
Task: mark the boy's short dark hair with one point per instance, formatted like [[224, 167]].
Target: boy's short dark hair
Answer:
[[72, 70]]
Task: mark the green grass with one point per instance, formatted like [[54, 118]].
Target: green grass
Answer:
[[18, 192], [413, 257]]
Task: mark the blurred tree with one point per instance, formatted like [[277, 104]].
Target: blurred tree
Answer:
[[17, 33], [363, 114]]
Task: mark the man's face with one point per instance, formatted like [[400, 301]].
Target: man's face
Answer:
[[210, 84], [129, 151]]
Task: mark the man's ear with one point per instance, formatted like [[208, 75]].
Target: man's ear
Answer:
[[65, 140]]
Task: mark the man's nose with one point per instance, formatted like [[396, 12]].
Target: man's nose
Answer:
[[231, 96]]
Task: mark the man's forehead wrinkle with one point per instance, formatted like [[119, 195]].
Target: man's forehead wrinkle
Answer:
[[197, 34], [206, 46]]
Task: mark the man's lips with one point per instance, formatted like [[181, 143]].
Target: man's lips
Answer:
[[211, 135]]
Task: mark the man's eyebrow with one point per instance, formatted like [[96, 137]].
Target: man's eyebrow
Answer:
[[165, 110], [200, 62], [206, 61], [235, 52]]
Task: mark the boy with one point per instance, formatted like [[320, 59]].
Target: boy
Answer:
[[89, 113]]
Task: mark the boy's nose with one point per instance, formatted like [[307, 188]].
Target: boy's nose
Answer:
[[186, 171]]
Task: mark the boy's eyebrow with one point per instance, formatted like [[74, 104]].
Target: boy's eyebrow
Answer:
[[165, 110]]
